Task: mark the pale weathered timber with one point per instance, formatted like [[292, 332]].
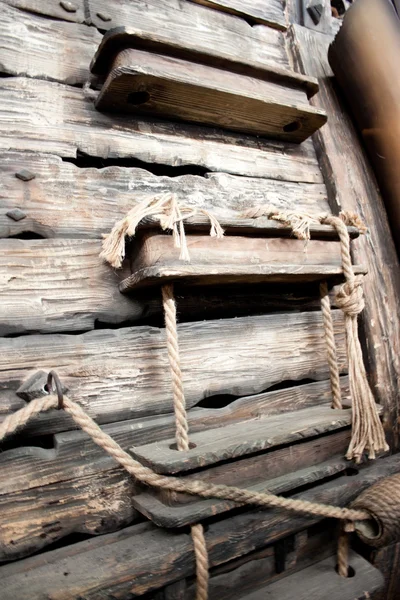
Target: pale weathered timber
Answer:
[[354, 188], [143, 558], [124, 373], [42, 116], [321, 581], [58, 285], [77, 13], [174, 516], [147, 83], [47, 49], [76, 470], [232, 259], [269, 13], [66, 201], [239, 439]]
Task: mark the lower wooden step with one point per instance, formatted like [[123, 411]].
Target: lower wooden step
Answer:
[[321, 581]]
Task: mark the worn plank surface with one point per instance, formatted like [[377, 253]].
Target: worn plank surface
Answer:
[[32, 46], [58, 285], [143, 557], [387, 560], [64, 200], [355, 189], [48, 117], [76, 470], [237, 440], [124, 373], [153, 84], [269, 13], [321, 581]]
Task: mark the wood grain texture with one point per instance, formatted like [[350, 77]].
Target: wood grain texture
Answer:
[[48, 117], [234, 441], [152, 84], [355, 189], [43, 486], [44, 48], [269, 13], [143, 558], [122, 374], [66, 201], [321, 581], [58, 285], [50, 8], [387, 561]]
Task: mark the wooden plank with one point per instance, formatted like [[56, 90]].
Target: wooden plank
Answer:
[[57, 50], [49, 8], [64, 200], [58, 285], [90, 364], [355, 189], [49, 485], [387, 560], [166, 516], [42, 116], [321, 581], [232, 259], [237, 440], [269, 13], [143, 558], [147, 83]]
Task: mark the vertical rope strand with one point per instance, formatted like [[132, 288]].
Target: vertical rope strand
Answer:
[[181, 422], [343, 552], [330, 345], [201, 554]]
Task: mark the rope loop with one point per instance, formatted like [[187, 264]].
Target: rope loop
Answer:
[[350, 297]]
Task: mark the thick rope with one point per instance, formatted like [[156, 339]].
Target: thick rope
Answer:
[[367, 431], [201, 555], [170, 215], [330, 346], [181, 422]]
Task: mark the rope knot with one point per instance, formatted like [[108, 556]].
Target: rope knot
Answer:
[[350, 297]]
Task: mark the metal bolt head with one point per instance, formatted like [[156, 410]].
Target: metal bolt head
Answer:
[[103, 17], [25, 175], [68, 6], [16, 214]]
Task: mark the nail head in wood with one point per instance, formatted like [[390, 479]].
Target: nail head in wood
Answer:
[[69, 6], [103, 17], [16, 214], [25, 175]]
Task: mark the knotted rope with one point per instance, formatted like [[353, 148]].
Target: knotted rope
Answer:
[[367, 430], [165, 209]]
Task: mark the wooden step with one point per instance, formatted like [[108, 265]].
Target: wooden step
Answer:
[[240, 439], [232, 259], [202, 41], [180, 515], [148, 83], [321, 581]]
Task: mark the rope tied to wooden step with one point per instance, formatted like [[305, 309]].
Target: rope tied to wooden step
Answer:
[[367, 430], [170, 215]]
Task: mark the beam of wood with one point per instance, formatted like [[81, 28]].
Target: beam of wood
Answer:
[[76, 469], [189, 514], [109, 371], [143, 557], [232, 259], [355, 189], [57, 50], [58, 285], [147, 83], [321, 581], [42, 116], [269, 13], [67, 201], [234, 441], [49, 8]]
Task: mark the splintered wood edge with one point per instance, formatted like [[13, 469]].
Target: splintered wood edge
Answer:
[[208, 275], [121, 38], [181, 515]]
